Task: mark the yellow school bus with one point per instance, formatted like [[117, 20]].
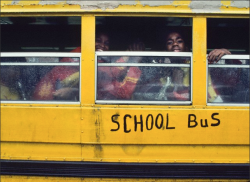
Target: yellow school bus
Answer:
[[134, 113]]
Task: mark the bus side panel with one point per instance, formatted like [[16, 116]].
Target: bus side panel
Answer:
[[126, 135], [125, 126]]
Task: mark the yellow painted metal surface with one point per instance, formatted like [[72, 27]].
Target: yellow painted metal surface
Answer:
[[67, 179], [87, 135], [88, 60], [216, 7], [199, 60], [117, 126], [40, 151], [40, 124], [168, 153]]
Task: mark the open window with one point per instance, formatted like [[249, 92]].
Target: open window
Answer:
[[34, 62], [137, 67], [228, 78]]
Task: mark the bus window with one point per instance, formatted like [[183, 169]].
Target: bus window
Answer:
[[35, 67], [152, 77], [138, 76], [228, 78]]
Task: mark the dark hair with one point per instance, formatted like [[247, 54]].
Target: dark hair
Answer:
[[101, 29], [175, 31]]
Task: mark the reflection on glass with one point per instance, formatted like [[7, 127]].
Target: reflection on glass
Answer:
[[60, 83], [163, 84], [229, 82], [11, 87], [151, 79], [232, 62], [228, 85], [51, 60], [144, 59], [27, 79]]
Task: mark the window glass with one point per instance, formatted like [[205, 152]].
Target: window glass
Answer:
[[132, 79], [39, 78], [228, 61], [229, 33], [40, 34], [141, 75], [228, 80]]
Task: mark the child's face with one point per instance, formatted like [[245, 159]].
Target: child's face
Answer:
[[102, 42], [175, 43]]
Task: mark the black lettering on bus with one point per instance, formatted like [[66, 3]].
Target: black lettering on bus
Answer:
[[167, 124], [114, 120], [125, 123], [156, 121], [140, 122], [215, 124], [152, 122], [193, 120], [205, 125]]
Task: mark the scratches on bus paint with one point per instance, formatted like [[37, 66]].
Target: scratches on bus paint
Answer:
[[132, 150], [98, 150], [187, 5]]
